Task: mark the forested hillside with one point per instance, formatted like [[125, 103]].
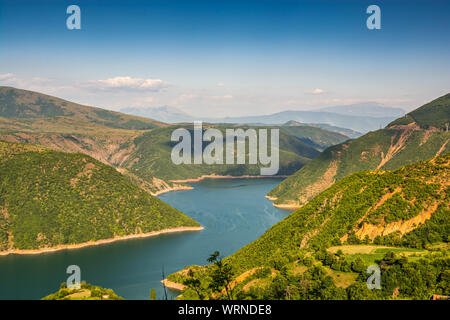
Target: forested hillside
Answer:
[[50, 198], [408, 206], [390, 218], [85, 292], [151, 156]]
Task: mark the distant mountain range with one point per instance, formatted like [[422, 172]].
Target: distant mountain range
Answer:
[[356, 123], [366, 109], [362, 117], [164, 113]]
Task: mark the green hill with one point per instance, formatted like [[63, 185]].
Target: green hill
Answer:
[[408, 206], [431, 115], [151, 157], [419, 135], [86, 292], [24, 104], [390, 211], [314, 136], [50, 198]]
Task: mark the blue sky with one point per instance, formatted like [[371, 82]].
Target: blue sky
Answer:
[[223, 58]]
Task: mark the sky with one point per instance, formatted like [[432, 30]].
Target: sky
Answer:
[[228, 58]]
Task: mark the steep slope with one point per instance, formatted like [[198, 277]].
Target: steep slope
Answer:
[[419, 135], [408, 206], [24, 104], [398, 220], [317, 137], [435, 114], [51, 199]]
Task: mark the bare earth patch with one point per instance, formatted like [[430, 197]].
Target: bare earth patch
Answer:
[[404, 226], [394, 148]]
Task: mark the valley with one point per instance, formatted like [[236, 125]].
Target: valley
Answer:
[[137, 147], [90, 176]]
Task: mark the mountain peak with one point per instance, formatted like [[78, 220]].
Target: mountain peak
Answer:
[[435, 114], [292, 123], [25, 104]]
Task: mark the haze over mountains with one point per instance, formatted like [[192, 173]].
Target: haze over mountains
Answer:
[[361, 117], [112, 162], [163, 113], [366, 109]]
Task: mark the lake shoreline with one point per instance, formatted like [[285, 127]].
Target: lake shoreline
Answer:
[[282, 206], [99, 242], [173, 285], [215, 176], [172, 189], [286, 207]]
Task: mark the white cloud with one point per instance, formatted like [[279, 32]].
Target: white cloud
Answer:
[[129, 83], [220, 84], [317, 91], [6, 76]]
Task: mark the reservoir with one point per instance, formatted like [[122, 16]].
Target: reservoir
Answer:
[[234, 212]]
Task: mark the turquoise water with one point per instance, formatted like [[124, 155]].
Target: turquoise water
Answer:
[[234, 212]]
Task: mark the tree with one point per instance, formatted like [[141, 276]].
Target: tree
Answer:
[[221, 276], [358, 265], [153, 294], [389, 258], [194, 283], [359, 291]]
